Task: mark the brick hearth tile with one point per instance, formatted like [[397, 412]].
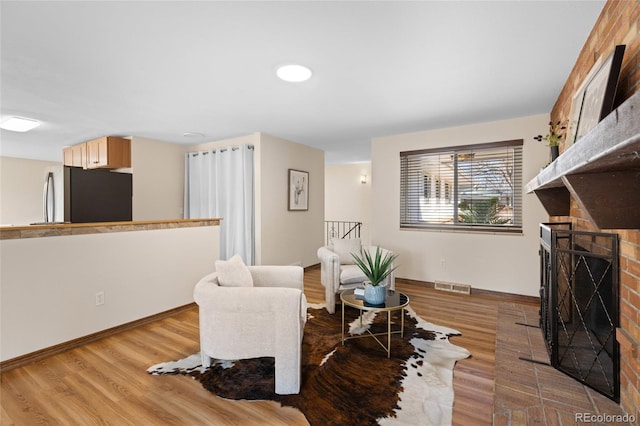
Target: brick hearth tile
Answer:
[[521, 384], [501, 419], [535, 393], [535, 416], [541, 354], [519, 417], [561, 392], [516, 375], [507, 354], [551, 417], [567, 393], [507, 398], [550, 378], [604, 405], [567, 418], [515, 378], [568, 405], [523, 388]]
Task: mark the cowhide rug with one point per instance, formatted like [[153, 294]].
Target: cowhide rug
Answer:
[[354, 382]]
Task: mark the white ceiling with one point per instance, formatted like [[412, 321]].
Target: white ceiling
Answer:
[[158, 69]]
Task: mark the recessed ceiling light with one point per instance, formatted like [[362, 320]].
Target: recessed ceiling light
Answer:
[[19, 124], [294, 73]]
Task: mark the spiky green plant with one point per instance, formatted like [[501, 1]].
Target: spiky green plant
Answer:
[[376, 268]]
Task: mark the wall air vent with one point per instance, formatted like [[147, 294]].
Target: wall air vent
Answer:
[[452, 287]]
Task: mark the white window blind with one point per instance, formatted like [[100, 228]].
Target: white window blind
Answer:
[[471, 186]]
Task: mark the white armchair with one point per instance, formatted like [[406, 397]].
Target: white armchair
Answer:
[[339, 272], [266, 318]]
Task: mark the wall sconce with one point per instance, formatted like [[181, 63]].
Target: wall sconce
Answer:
[[363, 179]]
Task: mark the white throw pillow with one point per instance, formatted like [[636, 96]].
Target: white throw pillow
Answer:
[[344, 248], [352, 274], [233, 273]]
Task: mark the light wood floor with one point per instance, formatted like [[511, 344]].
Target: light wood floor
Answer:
[[105, 382]]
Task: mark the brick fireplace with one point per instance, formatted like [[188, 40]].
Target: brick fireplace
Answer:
[[618, 24]]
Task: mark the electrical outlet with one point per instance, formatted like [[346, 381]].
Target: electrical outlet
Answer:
[[443, 264], [100, 298]]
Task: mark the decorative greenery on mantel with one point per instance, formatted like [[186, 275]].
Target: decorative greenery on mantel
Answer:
[[600, 170], [556, 133]]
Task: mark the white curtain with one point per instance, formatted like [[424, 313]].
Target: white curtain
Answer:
[[219, 183]]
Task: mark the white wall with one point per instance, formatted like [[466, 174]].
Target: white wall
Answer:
[[48, 285], [346, 198], [505, 263], [158, 179], [21, 185], [289, 237]]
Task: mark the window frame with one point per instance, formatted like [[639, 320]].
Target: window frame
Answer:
[[516, 228]]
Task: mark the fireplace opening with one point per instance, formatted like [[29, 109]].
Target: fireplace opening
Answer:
[[579, 304]]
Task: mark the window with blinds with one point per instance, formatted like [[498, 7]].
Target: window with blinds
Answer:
[[471, 186]]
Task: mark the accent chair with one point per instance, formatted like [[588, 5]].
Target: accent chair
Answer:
[[251, 312], [339, 272]]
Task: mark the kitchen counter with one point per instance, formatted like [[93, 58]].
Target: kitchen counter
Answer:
[[62, 229]]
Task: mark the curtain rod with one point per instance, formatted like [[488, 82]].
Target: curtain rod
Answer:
[[213, 151]]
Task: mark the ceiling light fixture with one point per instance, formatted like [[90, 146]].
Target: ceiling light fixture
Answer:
[[192, 135], [294, 73], [19, 124]]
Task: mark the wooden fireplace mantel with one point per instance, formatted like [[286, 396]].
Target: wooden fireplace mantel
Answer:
[[601, 171]]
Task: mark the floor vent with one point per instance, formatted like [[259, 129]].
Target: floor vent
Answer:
[[453, 287]]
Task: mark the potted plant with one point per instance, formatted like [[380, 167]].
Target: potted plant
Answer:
[[554, 137], [376, 268]]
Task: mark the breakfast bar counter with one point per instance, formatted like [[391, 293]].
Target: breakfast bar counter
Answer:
[[60, 229], [63, 282]]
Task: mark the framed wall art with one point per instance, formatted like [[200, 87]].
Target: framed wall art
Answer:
[[576, 105], [574, 118], [600, 93], [298, 190]]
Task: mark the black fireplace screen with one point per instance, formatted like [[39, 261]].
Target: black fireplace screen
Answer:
[[579, 304]]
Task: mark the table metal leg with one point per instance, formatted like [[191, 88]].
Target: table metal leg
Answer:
[[342, 329], [388, 334], [369, 332]]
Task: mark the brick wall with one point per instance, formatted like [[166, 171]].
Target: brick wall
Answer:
[[618, 24]]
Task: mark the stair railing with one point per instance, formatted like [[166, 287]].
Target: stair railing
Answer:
[[341, 229]]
